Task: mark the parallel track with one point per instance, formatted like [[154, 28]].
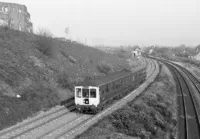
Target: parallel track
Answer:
[[189, 124], [77, 128], [58, 123]]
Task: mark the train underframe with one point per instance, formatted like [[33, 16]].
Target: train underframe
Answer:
[[87, 109]]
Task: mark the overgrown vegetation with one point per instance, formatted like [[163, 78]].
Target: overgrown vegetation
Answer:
[[32, 100], [104, 68], [45, 45], [152, 115], [42, 70], [64, 81], [44, 42]]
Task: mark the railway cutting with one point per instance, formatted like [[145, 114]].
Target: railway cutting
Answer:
[[67, 122]]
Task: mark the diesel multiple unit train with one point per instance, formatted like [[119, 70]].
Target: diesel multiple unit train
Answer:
[[91, 94]]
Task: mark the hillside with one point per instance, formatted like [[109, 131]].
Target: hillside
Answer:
[[122, 51], [43, 70]]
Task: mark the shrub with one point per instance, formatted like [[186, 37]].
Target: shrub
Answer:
[[104, 68], [45, 96], [10, 74], [44, 42], [45, 45], [65, 54], [72, 59], [64, 82], [4, 32]]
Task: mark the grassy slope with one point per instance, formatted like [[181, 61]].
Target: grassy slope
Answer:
[[152, 115], [43, 71]]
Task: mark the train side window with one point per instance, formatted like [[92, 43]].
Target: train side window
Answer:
[[93, 93], [102, 92], [107, 89], [78, 92], [113, 86]]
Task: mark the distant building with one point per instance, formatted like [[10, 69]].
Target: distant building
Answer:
[[15, 16], [150, 51], [136, 52]]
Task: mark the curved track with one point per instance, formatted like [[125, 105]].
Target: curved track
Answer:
[[86, 123], [189, 123], [61, 122]]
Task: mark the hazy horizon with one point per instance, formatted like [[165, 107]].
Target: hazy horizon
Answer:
[[119, 22]]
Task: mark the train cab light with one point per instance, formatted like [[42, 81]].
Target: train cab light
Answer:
[[86, 101]]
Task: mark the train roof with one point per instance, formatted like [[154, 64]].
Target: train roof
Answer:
[[104, 79]]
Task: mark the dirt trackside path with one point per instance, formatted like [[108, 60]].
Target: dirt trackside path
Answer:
[[152, 115]]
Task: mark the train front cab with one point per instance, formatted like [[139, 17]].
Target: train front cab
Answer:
[[86, 98]]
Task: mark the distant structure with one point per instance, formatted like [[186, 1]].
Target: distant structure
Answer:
[[15, 16], [197, 57], [198, 49], [136, 52]]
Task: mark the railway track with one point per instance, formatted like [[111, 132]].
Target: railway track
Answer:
[[188, 108], [61, 122], [79, 128], [196, 86], [76, 126]]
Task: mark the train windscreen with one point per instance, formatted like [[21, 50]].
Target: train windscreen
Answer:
[[85, 93]]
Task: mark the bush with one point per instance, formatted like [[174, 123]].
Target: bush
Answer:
[[103, 68], [10, 74], [4, 32], [45, 96], [64, 82], [45, 45], [44, 42]]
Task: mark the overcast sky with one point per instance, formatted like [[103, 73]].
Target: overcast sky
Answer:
[[119, 22]]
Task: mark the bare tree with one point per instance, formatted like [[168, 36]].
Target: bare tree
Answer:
[[44, 32], [66, 31]]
